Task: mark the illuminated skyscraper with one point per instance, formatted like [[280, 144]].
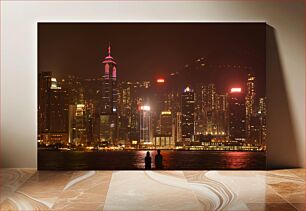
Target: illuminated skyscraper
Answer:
[[166, 123], [58, 114], [221, 117], [80, 124], [254, 133], [109, 108], [207, 109], [162, 102], [44, 84], [263, 120], [161, 95], [210, 97], [71, 123], [188, 110], [200, 113], [210, 108], [250, 104], [124, 111], [107, 129], [125, 98], [77, 121], [90, 122], [178, 128], [110, 89], [237, 115], [145, 124]]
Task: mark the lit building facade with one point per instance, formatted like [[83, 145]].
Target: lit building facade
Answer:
[[71, 124], [166, 123], [221, 114], [178, 128], [58, 114], [200, 112], [188, 110], [145, 124], [250, 107], [254, 137], [237, 116], [44, 84], [80, 125], [163, 142], [107, 129], [262, 112], [109, 106], [110, 88]]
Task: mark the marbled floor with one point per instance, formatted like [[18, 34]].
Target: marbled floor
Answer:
[[28, 189]]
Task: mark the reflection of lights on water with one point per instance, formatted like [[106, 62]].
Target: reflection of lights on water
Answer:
[[140, 156], [167, 155], [172, 159], [236, 160]]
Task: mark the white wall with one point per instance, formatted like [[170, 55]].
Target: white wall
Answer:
[[286, 62]]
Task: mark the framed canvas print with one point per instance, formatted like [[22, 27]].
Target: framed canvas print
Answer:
[[165, 96]]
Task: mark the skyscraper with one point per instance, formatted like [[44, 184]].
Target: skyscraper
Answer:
[[80, 124], [124, 111], [161, 95], [200, 114], [107, 129], [110, 89], [221, 117], [207, 109], [250, 104], [58, 113], [254, 134], [178, 128], [145, 124], [263, 120], [71, 123], [188, 109], [237, 116], [44, 84], [109, 107], [210, 97], [166, 123]]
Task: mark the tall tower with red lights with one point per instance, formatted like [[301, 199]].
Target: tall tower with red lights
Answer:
[[110, 88], [109, 102]]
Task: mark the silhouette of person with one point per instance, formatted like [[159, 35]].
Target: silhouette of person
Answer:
[[158, 160], [148, 161]]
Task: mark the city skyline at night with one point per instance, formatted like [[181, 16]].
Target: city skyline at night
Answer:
[[213, 103], [150, 50]]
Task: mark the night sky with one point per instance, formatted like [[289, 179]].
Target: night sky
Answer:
[[147, 50]]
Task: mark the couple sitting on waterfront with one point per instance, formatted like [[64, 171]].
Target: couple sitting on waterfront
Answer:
[[158, 160]]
